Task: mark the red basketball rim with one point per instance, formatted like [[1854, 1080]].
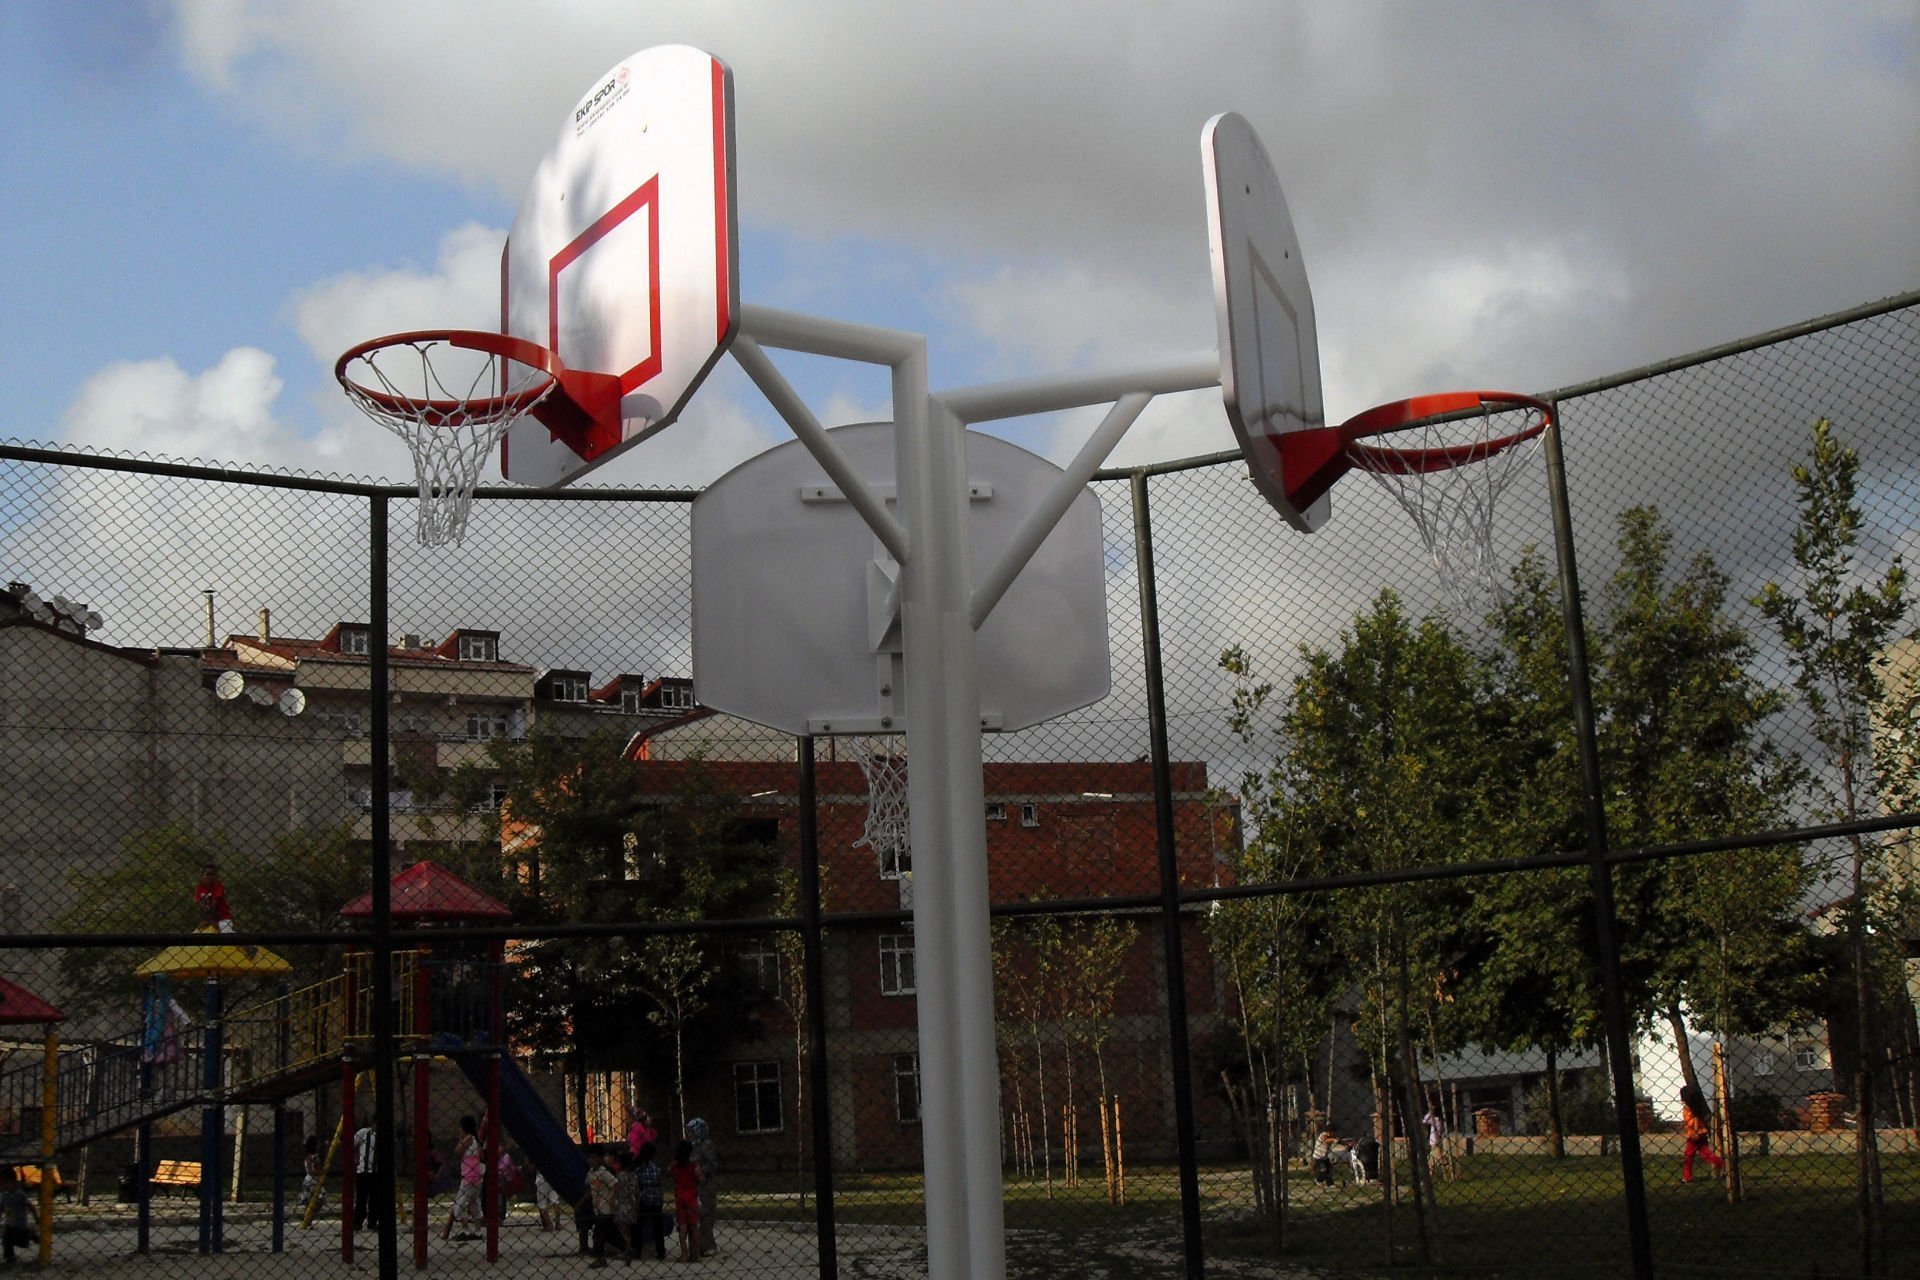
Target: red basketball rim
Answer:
[[519, 350], [1388, 418]]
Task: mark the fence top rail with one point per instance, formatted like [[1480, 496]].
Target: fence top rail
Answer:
[[36, 452]]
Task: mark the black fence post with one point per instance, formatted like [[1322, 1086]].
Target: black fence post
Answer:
[[381, 869], [1176, 975], [821, 1115], [1599, 872]]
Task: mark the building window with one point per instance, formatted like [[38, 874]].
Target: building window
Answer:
[[355, 640], [413, 725], [676, 697], [760, 962], [479, 647], [1806, 1058], [496, 797], [632, 700], [756, 1097], [906, 1088], [347, 722], [481, 726], [1763, 1063], [1029, 815], [896, 861], [996, 811], [570, 688], [896, 964]]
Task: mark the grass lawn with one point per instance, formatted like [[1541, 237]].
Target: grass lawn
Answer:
[[1508, 1217]]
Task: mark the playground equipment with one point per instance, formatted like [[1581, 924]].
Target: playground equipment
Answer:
[[449, 1005], [20, 1007]]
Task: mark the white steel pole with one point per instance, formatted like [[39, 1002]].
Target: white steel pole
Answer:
[[959, 1070]]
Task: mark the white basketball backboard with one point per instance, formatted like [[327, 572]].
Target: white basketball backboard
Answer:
[[792, 622], [1269, 349], [623, 259]]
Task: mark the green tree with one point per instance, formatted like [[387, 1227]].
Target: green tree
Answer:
[[1387, 762], [1837, 622], [1685, 756], [586, 851], [298, 884]]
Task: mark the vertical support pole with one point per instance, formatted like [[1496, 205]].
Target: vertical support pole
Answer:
[[816, 989], [349, 1121], [212, 1119], [49, 1123], [282, 1052], [380, 832], [959, 1068], [1179, 1064], [497, 1034], [1599, 871], [143, 1153], [422, 1066]]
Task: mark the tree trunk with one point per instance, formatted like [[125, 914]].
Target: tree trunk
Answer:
[[1678, 1026], [1556, 1127]]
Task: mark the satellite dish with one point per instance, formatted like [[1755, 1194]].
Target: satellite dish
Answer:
[[292, 703], [260, 696], [229, 686]]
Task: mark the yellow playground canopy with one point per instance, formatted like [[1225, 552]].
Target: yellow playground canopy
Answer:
[[213, 960]]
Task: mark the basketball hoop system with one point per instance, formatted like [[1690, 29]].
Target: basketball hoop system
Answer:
[[1464, 449], [450, 394]]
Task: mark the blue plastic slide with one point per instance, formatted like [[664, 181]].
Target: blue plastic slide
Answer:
[[533, 1128]]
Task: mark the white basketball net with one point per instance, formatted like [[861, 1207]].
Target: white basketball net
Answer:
[[886, 831], [1452, 507], [451, 416]]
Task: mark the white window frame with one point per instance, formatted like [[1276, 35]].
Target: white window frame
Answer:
[[1029, 814], [676, 697], [760, 961], [484, 726], [896, 864], [755, 1077], [571, 687], [996, 811], [356, 640], [1807, 1058], [1763, 1062], [475, 647], [632, 701], [906, 1104], [897, 971]]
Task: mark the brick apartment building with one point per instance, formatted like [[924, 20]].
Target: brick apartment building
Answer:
[[1055, 830]]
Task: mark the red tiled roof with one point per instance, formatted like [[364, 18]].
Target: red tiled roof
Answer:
[[428, 891], [19, 1005]]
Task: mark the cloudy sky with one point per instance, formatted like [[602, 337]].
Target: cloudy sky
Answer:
[[209, 199]]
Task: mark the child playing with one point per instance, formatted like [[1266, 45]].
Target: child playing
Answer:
[[603, 1191], [1699, 1121], [651, 1211], [211, 897], [313, 1191], [15, 1223], [686, 1201], [626, 1205]]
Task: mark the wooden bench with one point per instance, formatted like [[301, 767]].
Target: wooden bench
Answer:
[[29, 1176], [180, 1175]]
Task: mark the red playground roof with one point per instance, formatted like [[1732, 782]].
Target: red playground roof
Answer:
[[428, 891], [19, 1005]]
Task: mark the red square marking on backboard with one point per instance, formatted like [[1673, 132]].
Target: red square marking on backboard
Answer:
[[646, 197]]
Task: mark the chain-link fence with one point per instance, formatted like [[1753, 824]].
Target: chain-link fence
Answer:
[[358, 884]]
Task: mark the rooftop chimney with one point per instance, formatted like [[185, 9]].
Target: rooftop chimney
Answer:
[[266, 632]]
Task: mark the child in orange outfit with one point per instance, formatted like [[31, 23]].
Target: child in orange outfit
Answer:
[[1699, 1121]]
